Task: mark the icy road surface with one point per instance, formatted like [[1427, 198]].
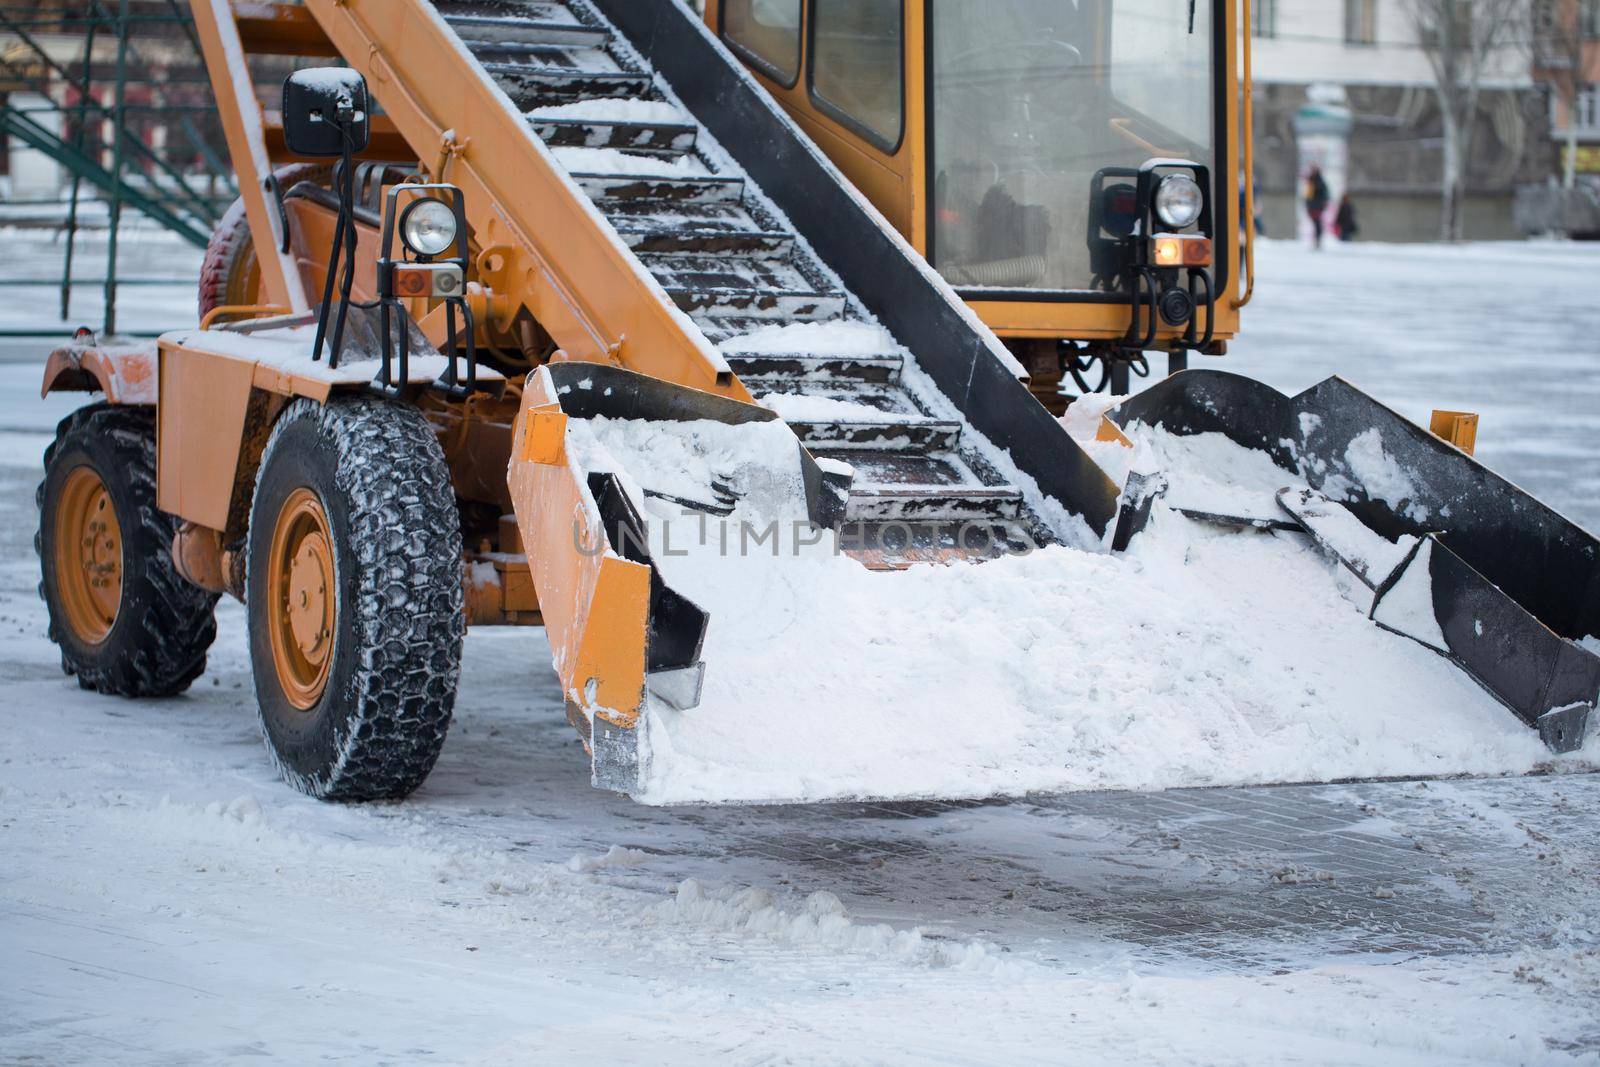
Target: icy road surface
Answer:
[[163, 899]]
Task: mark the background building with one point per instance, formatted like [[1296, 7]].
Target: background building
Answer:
[[1349, 80], [1566, 60]]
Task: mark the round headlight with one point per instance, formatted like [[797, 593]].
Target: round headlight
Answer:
[[428, 227], [1179, 201]]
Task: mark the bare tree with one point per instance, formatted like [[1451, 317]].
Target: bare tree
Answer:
[[1558, 41], [1463, 39]]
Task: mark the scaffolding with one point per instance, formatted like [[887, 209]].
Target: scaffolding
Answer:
[[116, 93]]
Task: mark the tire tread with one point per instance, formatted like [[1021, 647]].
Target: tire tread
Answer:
[[406, 542], [177, 618]]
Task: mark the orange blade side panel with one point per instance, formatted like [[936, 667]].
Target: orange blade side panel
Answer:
[[596, 605]]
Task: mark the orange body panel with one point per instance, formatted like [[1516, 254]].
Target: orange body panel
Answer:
[[1083, 322], [1460, 428], [544, 437], [200, 432], [282, 30], [206, 397], [311, 229], [499, 591], [126, 374]]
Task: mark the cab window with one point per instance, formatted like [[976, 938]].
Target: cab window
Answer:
[[1038, 102], [767, 33], [856, 65]]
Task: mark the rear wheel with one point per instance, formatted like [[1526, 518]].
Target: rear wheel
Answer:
[[230, 273], [126, 621], [355, 597]]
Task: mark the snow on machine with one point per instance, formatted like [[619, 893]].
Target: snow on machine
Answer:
[[731, 351]]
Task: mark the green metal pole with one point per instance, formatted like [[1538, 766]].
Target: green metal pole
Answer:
[[199, 206], [77, 178], [119, 135]]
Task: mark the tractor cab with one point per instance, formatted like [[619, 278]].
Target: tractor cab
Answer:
[[1067, 165]]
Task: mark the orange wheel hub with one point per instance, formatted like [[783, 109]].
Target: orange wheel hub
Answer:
[[302, 598], [88, 556]]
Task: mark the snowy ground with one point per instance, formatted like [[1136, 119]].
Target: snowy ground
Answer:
[[163, 899]]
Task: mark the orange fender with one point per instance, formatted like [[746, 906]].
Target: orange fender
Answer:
[[125, 373]]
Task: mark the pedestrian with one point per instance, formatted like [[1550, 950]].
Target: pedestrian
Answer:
[[1316, 198], [1344, 223]]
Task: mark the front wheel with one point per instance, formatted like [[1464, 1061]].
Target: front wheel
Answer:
[[355, 597]]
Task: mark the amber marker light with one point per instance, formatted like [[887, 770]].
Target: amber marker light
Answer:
[[1167, 251], [1180, 250], [412, 282]]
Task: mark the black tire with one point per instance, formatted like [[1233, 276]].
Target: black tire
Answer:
[[164, 624], [229, 275], [380, 476]]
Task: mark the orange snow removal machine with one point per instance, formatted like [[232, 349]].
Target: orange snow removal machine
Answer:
[[470, 227]]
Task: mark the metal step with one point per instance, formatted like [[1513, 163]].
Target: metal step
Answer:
[[728, 328], [678, 227], [613, 190], [933, 503], [779, 368], [910, 433], [726, 272], [509, 11], [743, 285], [938, 467], [647, 238], [772, 305], [498, 30], [503, 59], [531, 88], [730, 215], [655, 138], [843, 400]]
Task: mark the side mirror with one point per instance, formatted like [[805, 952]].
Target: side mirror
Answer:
[[325, 112]]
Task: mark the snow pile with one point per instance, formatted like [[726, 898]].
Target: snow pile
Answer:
[[1371, 555], [841, 338], [687, 459], [821, 923], [1221, 478], [1201, 657], [1407, 606], [279, 345], [613, 161], [289, 348], [615, 856], [1379, 475], [608, 110], [799, 407]]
